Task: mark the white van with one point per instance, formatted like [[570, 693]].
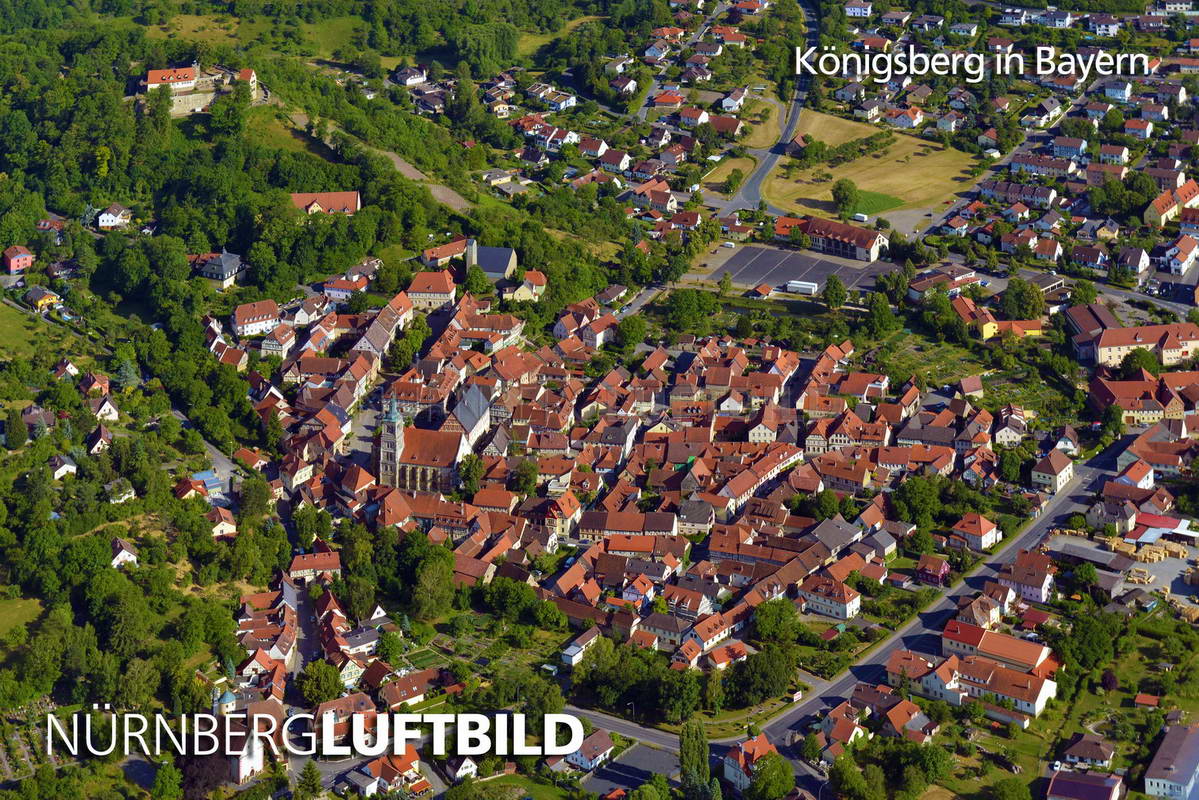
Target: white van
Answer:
[[860, 218]]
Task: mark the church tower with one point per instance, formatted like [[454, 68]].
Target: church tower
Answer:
[[389, 445]]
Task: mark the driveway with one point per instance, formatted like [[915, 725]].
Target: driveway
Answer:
[[222, 465]]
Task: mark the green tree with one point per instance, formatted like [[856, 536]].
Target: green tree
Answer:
[[476, 282], [312, 524], [228, 112], [320, 682], [630, 332], [713, 690], [726, 283], [773, 779], [846, 779], [434, 590], [799, 237], [1010, 789], [811, 748], [16, 432], [1085, 574], [168, 783], [1023, 300], [255, 498], [390, 647], [1113, 420], [846, 196], [776, 621], [1139, 359], [524, 478], [835, 293], [470, 472], [693, 752], [1084, 292], [126, 376], [880, 319], [308, 784]]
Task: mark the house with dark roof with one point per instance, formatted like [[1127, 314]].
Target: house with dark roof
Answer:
[[1067, 784], [1089, 749], [1174, 771]]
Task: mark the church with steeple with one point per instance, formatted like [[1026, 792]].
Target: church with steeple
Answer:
[[389, 445], [416, 459]]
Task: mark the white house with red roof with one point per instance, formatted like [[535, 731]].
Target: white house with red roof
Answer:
[[430, 291], [179, 79], [978, 531], [741, 759], [255, 319]]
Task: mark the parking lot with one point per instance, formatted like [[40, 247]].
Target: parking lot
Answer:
[[754, 265], [632, 768]]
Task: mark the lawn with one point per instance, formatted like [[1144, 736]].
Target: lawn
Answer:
[[905, 354], [395, 252], [333, 34], [832, 130], [714, 179], [266, 126], [875, 203], [210, 28], [21, 333], [922, 173], [530, 43], [734, 722], [18, 330], [765, 119], [18, 611], [515, 787]]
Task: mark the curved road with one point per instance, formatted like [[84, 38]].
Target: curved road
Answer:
[[750, 193], [921, 634]]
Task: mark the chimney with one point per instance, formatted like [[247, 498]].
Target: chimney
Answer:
[[472, 252]]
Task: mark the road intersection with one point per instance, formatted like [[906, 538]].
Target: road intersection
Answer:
[[921, 634]]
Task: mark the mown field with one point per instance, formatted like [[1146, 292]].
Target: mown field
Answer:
[[530, 43], [910, 173]]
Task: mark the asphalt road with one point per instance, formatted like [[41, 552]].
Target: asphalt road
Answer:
[[222, 465], [750, 193], [921, 634], [655, 86], [998, 284], [640, 301]]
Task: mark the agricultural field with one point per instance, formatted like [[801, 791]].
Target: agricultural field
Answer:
[[832, 130], [910, 173]]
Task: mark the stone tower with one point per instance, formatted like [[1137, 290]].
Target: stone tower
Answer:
[[389, 445]]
